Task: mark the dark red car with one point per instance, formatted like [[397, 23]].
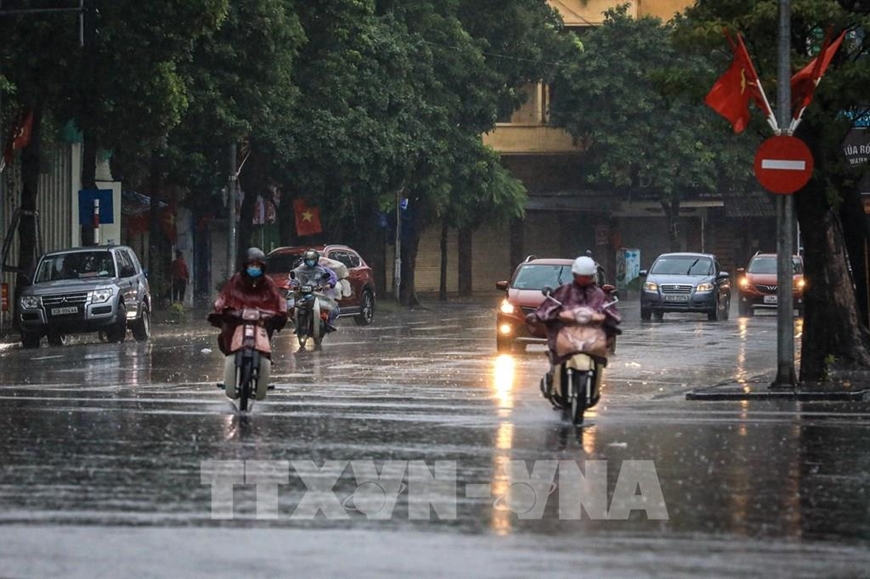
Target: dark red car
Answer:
[[361, 302]]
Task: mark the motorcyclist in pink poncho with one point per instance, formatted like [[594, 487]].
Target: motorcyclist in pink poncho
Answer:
[[583, 291]]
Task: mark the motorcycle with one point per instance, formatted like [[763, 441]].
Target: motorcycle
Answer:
[[309, 317], [574, 385], [248, 364]]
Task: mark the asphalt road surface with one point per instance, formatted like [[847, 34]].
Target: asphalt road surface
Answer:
[[411, 447]]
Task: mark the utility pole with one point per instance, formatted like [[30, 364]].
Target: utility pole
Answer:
[[785, 374], [397, 264], [231, 213]]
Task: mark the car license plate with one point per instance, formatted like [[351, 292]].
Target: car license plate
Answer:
[[63, 311], [770, 299], [676, 298]]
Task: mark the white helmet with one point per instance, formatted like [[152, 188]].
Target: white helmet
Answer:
[[584, 266]]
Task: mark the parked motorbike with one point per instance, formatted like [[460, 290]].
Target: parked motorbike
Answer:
[[306, 304], [574, 385], [248, 365]]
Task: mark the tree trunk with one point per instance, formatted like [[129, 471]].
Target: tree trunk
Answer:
[[855, 234], [466, 236], [157, 272], [410, 244], [672, 213], [27, 242], [442, 288], [834, 335], [517, 243]]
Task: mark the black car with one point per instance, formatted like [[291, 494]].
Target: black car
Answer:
[[685, 282]]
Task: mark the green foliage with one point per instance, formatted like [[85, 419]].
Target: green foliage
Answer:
[[626, 97]]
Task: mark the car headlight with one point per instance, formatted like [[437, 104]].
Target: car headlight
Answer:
[[651, 286], [507, 307], [744, 283], [704, 287], [101, 295], [799, 284], [31, 302]]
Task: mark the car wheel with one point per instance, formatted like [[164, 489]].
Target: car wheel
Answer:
[[56, 339], [503, 345], [142, 327], [366, 309], [29, 340], [645, 314], [118, 331], [659, 316], [726, 311], [713, 315]]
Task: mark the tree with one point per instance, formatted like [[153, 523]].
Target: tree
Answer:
[[623, 98], [829, 209]]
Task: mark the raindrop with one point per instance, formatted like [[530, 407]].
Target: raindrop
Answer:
[[206, 350]]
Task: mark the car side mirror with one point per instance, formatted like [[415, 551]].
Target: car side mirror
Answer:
[[546, 290], [501, 285], [741, 270], [608, 288], [723, 275], [127, 271], [643, 273]]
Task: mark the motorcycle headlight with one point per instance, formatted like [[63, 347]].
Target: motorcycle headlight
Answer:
[[101, 295], [704, 287], [651, 286], [507, 307], [31, 302]]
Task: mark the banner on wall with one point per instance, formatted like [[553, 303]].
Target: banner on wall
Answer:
[[627, 266]]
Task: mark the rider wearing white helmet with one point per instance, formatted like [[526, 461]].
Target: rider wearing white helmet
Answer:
[[584, 270]]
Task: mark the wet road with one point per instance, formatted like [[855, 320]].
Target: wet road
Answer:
[[409, 446]]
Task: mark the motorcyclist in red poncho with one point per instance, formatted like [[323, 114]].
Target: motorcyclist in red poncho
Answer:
[[250, 288]]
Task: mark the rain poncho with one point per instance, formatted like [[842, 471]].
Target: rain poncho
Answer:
[[572, 298], [242, 292]]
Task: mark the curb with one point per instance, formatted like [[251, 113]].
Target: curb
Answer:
[[759, 389]]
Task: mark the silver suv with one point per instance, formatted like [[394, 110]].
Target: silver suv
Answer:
[[86, 289]]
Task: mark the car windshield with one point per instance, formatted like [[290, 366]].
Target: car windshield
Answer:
[[683, 265], [77, 265], [767, 264], [283, 263], [534, 277]]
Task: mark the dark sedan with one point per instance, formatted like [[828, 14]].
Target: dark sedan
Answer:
[[685, 282]]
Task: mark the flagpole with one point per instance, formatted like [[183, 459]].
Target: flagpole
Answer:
[[771, 119]]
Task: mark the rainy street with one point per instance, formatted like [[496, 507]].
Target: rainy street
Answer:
[[410, 447]]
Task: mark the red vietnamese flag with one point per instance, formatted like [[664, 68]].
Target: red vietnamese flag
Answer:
[[804, 81], [307, 218], [730, 95], [19, 138]]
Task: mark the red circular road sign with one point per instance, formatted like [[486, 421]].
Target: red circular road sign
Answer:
[[783, 164]]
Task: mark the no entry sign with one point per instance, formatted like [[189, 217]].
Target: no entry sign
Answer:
[[783, 164]]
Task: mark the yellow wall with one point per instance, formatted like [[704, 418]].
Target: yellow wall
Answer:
[[591, 12]]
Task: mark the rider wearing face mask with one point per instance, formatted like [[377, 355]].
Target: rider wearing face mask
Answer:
[[311, 272], [251, 288]]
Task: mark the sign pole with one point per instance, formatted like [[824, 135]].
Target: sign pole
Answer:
[[785, 374]]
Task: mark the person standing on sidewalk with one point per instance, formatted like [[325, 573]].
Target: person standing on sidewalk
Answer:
[[180, 276]]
